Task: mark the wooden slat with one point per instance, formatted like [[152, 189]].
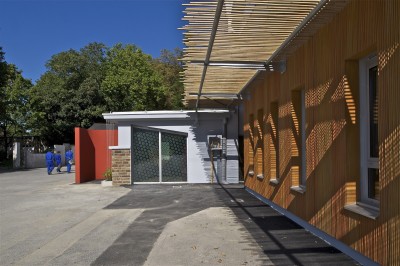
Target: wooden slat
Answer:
[[247, 31], [326, 66]]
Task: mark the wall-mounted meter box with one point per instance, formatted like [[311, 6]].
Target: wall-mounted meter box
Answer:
[[214, 142]]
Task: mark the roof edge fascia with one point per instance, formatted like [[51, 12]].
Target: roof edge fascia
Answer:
[[149, 115], [294, 34]]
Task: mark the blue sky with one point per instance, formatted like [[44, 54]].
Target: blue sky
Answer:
[[31, 31]]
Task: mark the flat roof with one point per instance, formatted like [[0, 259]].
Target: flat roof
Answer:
[[162, 114]]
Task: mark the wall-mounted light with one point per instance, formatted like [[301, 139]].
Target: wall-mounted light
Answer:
[[282, 66]]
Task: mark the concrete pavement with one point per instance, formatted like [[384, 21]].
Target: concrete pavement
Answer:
[[48, 220], [43, 218]]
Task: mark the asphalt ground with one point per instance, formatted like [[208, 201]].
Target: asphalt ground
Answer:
[[49, 220]]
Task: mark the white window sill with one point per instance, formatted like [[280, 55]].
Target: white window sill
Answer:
[[251, 173], [260, 176], [363, 209], [274, 181], [299, 189]]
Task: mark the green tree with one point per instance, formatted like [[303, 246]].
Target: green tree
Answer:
[[68, 94], [14, 96], [3, 81], [130, 82], [169, 67], [79, 86]]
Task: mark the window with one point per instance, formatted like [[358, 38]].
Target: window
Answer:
[[273, 143], [251, 145], [158, 155], [260, 144], [369, 145], [298, 162]]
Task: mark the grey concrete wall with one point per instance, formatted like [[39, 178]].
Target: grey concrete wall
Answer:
[[38, 160], [61, 149], [34, 160], [232, 170], [17, 155]]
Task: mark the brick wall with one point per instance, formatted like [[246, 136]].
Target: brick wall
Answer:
[[121, 167]]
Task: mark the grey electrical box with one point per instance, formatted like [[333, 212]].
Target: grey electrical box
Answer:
[[214, 142]]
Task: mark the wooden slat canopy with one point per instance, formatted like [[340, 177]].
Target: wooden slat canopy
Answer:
[[227, 42]]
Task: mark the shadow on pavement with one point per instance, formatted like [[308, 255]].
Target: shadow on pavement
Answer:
[[277, 237], [282, 240]]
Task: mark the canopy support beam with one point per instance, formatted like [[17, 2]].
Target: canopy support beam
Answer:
[[217, 16]]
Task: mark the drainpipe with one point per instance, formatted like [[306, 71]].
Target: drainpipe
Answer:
[[224, 151]]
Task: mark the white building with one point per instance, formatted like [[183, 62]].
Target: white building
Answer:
[[175, 146]]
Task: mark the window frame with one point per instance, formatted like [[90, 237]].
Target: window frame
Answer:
[[250, 146], [303, 154], [366, 161], [259, 150], [274, 112], [298, 99], [160, 168]]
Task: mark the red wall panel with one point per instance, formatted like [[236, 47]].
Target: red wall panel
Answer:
[[101, 141], [84, 156], [92, 156]]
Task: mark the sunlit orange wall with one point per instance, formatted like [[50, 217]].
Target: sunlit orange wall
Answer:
[[326, 67], [92, 154]]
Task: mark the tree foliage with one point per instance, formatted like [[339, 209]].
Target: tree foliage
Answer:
[[130, 82], [68, 94], [14, 96], [79, 86], [169, 66]]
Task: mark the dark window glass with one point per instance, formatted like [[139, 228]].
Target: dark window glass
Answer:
[[373, 183], [373, 112], [251, 143], [145, 155], [173, 151]]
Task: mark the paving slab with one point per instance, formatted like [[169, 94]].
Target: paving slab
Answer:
[[266, 237], [49, 220], [208, 237], [43, 216], [279, 238]]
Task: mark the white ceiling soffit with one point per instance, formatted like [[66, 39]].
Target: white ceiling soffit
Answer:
[[228, 42]]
